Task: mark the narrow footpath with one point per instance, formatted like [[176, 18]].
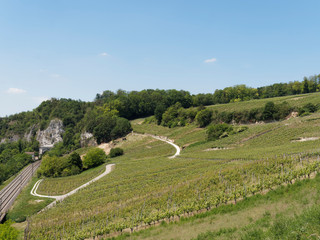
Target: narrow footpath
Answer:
[[109, 168], [60, 198]]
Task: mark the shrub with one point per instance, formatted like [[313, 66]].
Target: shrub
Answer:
[[307, 109], [115, 152], [215, 131], [203, 118], [8, 232], [74, 159], [94, 157], [269, 111]]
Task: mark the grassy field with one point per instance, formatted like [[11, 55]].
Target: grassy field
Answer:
[[26, 204], [146, 186], [293, 100]]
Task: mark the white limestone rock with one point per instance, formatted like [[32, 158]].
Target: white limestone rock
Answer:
[[51, 135]]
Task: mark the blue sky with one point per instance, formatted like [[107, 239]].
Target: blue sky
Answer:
[[75, 49]]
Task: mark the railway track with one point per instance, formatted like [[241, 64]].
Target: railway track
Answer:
[[9, 194]]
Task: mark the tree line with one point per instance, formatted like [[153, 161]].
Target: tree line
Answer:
[[13, 158]]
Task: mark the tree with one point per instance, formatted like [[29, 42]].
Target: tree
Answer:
[[215, 131], [159, 111], [122, 128], [305, 85], [269, 111], [74, 159], [104, 127], [94, 157], [204, 117]]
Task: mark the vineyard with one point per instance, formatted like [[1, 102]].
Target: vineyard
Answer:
[[147, 187]]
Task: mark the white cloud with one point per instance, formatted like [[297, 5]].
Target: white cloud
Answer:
[[210, 60], [15, 91], [104, 54]]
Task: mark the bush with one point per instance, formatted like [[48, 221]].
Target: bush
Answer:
[[7, 232], [94, 157], [115, 152], [307, 109], [203, 118], [53, 166], [215, 131], [74, 159]]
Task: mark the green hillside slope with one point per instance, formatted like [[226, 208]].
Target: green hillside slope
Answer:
[[146, 186]]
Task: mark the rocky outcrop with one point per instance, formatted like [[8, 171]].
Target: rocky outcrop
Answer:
[[51, 135], [30, 134], [13, 138], [87, 139]]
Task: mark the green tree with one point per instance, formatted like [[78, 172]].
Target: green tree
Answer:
[[104, 127], [305, 85], [94, 157], [159, 111], [204, 117], [215, 131], [122, 128], [269, 111], [74, 159]]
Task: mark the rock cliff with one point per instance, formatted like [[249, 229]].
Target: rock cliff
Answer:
[[87, 139], [51, 135]]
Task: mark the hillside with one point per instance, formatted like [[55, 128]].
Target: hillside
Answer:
[[146, 186]]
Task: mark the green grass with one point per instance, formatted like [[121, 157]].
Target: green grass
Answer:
[[294, 101], [26, 204], [146, 185]]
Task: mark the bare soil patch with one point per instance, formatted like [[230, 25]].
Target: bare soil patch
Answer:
[[305, 139]]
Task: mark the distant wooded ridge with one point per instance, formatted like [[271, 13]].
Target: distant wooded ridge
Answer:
[[79, 116]]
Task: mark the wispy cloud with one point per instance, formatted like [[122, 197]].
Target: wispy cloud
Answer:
[[104, 54], [210, 60], [16, 91]]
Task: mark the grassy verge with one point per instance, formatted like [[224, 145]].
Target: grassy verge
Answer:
[[26, 204]]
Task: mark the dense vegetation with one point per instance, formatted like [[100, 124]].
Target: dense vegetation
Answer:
[[13, 157], [94, 157], [7, 232], [53, 166], [161, 188], [136, 104], [146, 186], [109, 109]]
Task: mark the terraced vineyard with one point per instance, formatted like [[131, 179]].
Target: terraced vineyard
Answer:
[[146, 186]]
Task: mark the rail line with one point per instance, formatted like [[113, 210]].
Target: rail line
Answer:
[[9, 194]]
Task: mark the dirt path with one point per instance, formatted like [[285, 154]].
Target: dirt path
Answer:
[[33, 192], [164, 139], [106, 147]]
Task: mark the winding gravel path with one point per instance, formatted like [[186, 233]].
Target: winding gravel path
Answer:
[[109, 168], [33, 192], [169, 141]]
